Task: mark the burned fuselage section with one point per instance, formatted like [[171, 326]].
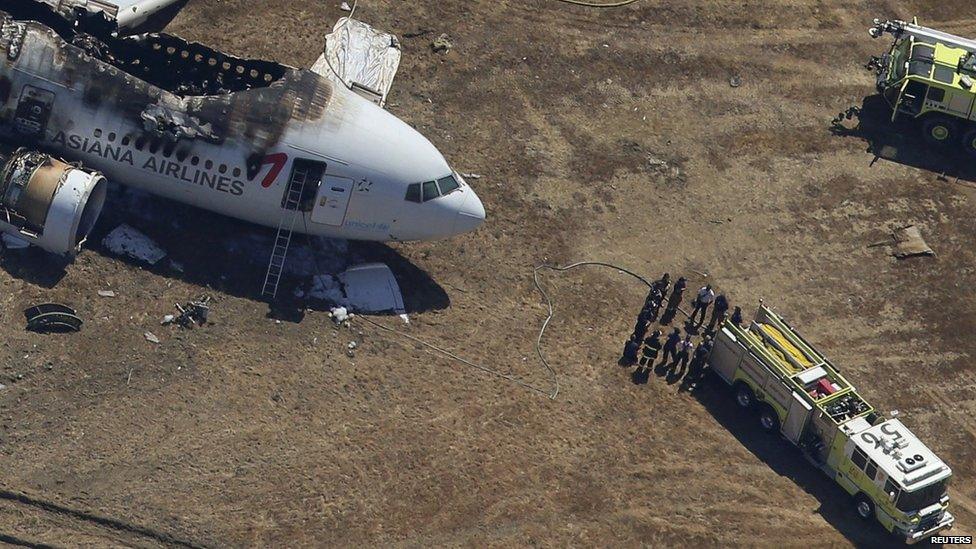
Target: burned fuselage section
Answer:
[[152, 110]]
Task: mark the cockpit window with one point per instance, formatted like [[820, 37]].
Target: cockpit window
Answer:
[[447, 184], [430, 190], [413, 193]]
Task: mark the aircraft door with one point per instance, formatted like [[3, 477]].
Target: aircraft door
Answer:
[[332, 201]]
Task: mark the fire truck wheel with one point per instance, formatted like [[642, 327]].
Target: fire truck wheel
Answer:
[[744, 396], [969, 142], [768, 419], [939, 130], [864, 507]]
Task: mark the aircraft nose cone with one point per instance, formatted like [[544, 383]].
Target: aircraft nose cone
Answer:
[[471, 213]]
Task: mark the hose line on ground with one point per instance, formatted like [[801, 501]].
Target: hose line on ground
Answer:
[[599, 5], [545, 324], [551, 394]]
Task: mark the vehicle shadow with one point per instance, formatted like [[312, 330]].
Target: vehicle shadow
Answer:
[[901, 141], [229, 256], [836, 507]]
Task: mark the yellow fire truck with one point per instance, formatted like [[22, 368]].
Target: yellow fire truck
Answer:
[[891, 475], [929, 75]]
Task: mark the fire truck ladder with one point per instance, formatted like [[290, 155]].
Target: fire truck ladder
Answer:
[[286, 226]]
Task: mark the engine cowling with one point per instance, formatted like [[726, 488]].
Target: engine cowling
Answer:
[[48, 203]]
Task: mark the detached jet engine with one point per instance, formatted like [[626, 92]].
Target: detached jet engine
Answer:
[[47, 202]]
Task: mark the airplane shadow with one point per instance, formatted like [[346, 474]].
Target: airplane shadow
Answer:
[[229, 256], [836, 507], [901, 141]]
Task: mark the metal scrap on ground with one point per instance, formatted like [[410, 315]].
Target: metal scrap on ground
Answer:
[[52, 317], [906, 242], [129, 242]]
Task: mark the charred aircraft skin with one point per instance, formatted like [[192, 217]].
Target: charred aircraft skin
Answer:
[[187, 122]]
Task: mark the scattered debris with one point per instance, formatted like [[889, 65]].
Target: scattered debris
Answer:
[[345, 7], [2, 386], [106, 293], [405, 318], [151, 337], [442, 44], [340, 315], [907, 242], [194, 312], [735, 81], [911, 243], [52, 317], [471, 175], [127, 241], [352, 345]]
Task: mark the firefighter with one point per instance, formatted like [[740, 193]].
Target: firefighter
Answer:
[[704, 298], [630, 352], [718, 311], [671, 345], [677, 293], [651, 347]]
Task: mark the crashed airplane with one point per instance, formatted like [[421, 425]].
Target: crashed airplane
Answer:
[[304, 150]]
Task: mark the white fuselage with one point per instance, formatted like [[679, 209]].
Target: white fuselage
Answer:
[[88, 110]]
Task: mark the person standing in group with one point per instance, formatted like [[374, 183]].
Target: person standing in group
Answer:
[[677, 294], [704, 298], [697, 366], [671, 345], [718, 311], [737, 316], [630, 352], [651, 347], [684, 352]]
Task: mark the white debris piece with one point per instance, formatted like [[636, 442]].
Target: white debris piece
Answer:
[[372, 288], [405, 318], [344, 7], [2, 386], [340, 314], [151, 337], [12, 242], [471, 175], [127, 241], [168, 319], [352, 345], [106, 293]]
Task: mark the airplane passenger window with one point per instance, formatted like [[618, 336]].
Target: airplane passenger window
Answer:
[[447, 184], [413, 193], [430, 190]]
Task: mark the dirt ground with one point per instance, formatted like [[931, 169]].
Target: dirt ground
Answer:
[[602, 135]]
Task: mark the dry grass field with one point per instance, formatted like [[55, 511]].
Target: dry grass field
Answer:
[[610, 135]]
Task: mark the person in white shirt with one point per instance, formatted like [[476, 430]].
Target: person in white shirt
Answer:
[[704, 298]]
